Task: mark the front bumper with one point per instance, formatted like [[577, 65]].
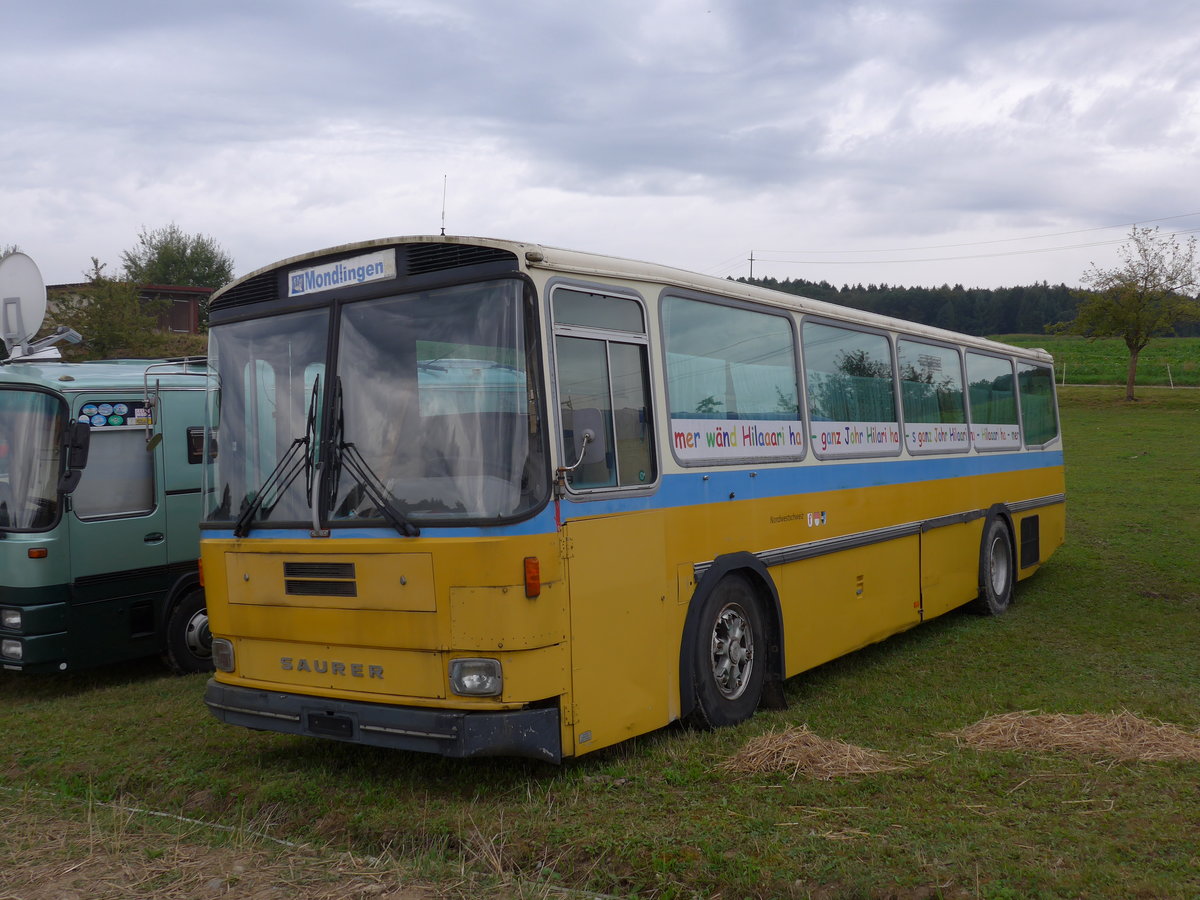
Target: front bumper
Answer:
[[532, 733]]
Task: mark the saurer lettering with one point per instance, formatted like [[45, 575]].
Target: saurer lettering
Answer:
[[329, 667]]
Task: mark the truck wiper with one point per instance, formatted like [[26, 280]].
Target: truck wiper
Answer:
[[297, 459], [348, 457]]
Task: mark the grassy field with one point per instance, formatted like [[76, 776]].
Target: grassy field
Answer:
[[1166, 361], [97, 764]]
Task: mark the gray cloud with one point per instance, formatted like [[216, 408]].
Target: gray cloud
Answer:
[[791, 125]]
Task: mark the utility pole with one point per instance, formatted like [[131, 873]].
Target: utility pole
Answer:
[[751, 265]]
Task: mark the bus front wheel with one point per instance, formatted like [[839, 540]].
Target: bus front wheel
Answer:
[[188, 646], [997, 572], [729, 655]]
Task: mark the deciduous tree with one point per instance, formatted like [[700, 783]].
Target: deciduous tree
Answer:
[[169, 255], [1146, 296], [112, 318]]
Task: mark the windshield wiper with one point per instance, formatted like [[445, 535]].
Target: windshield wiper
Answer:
[[348, 457], [297, 459]]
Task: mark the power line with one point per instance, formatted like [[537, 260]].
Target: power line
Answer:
[[1032, 237]]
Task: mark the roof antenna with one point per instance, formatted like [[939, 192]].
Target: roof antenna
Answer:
[[443, 206]]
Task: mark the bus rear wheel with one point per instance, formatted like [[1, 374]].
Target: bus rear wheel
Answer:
[[729, 655], [997, 569], [188, 646]]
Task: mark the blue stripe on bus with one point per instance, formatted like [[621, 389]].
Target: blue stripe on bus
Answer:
[[690, 489]]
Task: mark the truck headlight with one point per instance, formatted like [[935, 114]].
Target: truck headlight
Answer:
[[11, 649], [222, 654], [10, 619], [476, 677]]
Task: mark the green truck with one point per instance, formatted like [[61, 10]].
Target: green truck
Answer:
[[99, 505]]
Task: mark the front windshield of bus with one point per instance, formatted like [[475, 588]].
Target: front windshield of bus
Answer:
[[261, 411], [437, 403], [431, 416], [31, 424]]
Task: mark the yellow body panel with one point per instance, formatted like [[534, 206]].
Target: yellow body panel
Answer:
[[604, 635], [624, 670]]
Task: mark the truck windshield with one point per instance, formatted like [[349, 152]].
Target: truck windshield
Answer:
[[31, 425], [432, 416]]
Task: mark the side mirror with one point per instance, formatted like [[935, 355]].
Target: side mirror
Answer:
[[590, 446], [76, 441]]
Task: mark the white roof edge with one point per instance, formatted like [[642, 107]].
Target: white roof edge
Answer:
[[577, 262]]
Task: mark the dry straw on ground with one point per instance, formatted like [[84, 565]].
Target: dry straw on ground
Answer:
[[797, 752], [1118, 736]]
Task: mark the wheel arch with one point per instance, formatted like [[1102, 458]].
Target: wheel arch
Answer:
[[750, 566], [1004, 514], [180, 588]]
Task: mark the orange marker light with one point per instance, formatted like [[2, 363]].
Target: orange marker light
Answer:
[[38, 552], [533, 577], [200, 570]]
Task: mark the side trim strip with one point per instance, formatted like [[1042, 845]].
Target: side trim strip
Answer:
[[1037, 503], [782, 555], [779, 556], [253, 712]]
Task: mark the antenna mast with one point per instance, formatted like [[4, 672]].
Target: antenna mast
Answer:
[[443, 206]]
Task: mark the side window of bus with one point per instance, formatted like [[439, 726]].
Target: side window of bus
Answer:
[[993, 398], [603, 390], [119, 478], [1036, 387], [728, 365], [851, 392], [931, 393]]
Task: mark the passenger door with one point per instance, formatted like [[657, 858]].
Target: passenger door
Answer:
[[117, 527]]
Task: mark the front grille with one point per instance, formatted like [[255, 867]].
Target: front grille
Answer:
[[261, 287], [318, 570], [424, 258], [319, 579], [297, 587]]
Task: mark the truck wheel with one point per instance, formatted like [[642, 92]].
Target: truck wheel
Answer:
[[188, 641], [997, 571], [729, 658]]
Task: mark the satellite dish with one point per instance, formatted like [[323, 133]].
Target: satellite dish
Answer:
[[23, 295]]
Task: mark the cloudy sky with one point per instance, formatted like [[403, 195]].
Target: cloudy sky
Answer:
[[981, 142]]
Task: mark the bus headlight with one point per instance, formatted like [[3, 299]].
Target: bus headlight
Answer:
[[222, 654], [11, 649], [10, 619], [476, 677]]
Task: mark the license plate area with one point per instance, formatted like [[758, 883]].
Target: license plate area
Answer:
[[328, 725]]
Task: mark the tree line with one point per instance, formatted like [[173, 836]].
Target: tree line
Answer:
[[1150, 294], [1030, 309]]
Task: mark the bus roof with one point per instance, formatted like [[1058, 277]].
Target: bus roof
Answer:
[[532, 256]]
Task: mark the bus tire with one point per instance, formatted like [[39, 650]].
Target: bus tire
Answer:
[[188, 641], [729, 661], [997, 569]]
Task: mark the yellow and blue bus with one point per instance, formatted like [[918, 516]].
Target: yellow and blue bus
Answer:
[[481, 497]]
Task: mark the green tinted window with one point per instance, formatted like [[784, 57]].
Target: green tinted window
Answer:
[[849, 375], [931, 383], [993, 400], [728, 363], [1036, 385]]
